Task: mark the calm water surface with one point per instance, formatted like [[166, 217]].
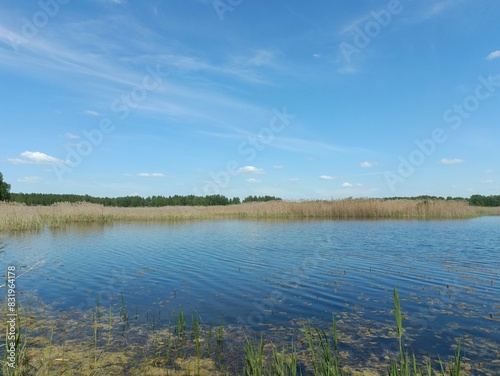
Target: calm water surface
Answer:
[[265, 274]]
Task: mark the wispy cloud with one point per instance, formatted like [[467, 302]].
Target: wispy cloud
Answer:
[[346, 185], [71, 136], [250, 170], [438, 7], [197, 98], [326, 177], [253, 180], [350, 27], [447, 161], [424, 11], [91, 113], [151, 174], [348, 69], [35, 157], [30, 179], [307, 146], [262, 58], [367, 164], [493, 55], [245, 68], [294, 144]]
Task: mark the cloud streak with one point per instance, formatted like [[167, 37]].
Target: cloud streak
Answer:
[[151, 174], [36, 157], [453, 161], [250, 170], [326, 177]]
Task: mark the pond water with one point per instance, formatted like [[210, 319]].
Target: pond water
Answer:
[[263, 275]]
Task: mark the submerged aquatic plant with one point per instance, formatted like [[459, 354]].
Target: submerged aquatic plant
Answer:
[[408, 366], [179, 350]]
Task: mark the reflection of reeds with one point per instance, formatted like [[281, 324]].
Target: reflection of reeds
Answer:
[[21, 217]]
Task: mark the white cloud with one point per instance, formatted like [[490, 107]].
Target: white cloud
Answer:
[[278, 167], [293, 180], [488, 181], [29, 179], [346, 185], [151, 175], [251, 170], [91, 113], [447, 161], [493, 55], [253, 180], [489, 171], [326, 177], [71, 136], [262, 57], [368, 164], [35, 157]]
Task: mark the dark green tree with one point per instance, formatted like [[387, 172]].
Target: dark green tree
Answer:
[[479, 200], [4, 190]]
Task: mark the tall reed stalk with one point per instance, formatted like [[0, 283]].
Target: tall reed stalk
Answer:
[[284, 363], [406, 366], [254, 358], [325, 362]]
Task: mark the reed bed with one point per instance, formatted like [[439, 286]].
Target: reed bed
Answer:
[[14, 216]]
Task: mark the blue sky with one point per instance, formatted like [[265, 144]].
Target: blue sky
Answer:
[[318, 100]]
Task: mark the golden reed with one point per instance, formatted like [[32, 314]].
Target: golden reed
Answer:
[[14, 216]]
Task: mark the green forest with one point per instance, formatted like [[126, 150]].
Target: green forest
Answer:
[[191, 200], [134, 201], [478, 200]]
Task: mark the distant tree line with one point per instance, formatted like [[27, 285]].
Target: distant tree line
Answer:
[[126, 201], [426, 197], [261, 198], [474, 200], [479, 200], [46, 199], [190, 200]]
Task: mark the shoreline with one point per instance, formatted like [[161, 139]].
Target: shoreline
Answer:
[[15, 216]]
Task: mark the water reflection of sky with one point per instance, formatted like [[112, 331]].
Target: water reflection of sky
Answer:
[[263, 273]]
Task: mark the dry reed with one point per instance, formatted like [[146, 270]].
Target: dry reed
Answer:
[[15, 216]]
